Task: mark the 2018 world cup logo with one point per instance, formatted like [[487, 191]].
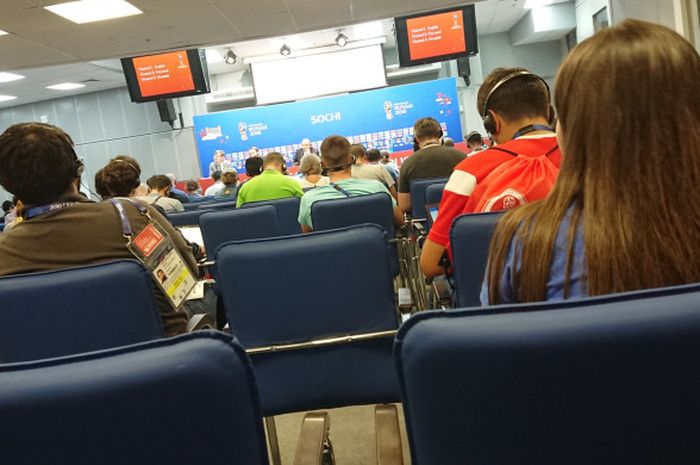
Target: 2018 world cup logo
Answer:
[[243, 129], [388, 110]]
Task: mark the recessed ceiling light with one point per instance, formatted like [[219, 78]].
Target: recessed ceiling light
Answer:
[[5, 98], [341, 40], [230, 57], [66, 86], [88, 11], [2, 33], [9, 77]]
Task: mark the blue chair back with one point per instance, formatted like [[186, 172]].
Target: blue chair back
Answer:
[[352, 211], [186, 218], [470, 238], [57, 313], [235, 225], [195, 205], [287, 214], [418, 202], [307, 287], [185, 400], [605, 380], [433, 193], [224, 205]]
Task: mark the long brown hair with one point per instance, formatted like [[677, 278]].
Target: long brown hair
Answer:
[[628, 101]]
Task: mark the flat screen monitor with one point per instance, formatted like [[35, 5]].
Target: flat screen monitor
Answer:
[[437, 36], [166, 75]]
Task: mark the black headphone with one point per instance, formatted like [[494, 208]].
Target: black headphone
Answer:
[[333, 169], [489, 123]]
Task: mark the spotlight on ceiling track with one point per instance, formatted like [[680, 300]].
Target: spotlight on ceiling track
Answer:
[[230, 57], [341, 40], [285, 50]]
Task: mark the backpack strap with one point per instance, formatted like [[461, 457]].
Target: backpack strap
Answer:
[[547, 154], [505, 151], [552, 150]]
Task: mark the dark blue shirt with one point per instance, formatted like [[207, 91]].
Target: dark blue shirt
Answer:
[[555, 283]]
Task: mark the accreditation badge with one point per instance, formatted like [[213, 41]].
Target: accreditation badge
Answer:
[[156, 250]]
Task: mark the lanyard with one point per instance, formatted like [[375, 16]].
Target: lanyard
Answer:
[[532, 128], [126, 226], [341, 190], [33, 212]]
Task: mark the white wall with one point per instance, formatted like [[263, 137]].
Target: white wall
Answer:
[[495, 50], [585, 9], [657, 11]]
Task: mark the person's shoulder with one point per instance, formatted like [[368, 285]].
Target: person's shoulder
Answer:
[[317, 193], [368, 184]]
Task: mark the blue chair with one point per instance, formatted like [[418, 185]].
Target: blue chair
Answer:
[[185, 400], [186, 218], [317, 286], [352, 211], [470, 238], [604, 380], [235, 225], [287, 214], [433, 193], [418, 188], [228, 205], [57, 313]]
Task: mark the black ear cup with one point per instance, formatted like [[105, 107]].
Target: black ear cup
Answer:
[[489, 124]]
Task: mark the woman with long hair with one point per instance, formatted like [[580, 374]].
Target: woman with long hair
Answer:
[[625, 211]]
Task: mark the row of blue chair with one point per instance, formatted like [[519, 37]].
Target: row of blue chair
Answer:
[[307, 352], [603, 380]]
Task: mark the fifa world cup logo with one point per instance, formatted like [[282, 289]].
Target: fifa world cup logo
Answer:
[[243, 129], [388, 106]]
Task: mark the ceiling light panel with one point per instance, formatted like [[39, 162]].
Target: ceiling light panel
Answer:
[[66, 86], [89, 11], [6, 98], [9, 77], [2, 33]]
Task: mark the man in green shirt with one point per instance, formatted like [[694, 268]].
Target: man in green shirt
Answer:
[[271, 184], [337, 159]]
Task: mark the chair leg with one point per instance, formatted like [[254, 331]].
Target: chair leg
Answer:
[[314, 446], [272, 441], [388, 435]]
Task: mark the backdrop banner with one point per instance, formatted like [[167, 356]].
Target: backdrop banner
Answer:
[[381, 119]]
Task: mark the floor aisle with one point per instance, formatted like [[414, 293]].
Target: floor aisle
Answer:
[[352, 433]]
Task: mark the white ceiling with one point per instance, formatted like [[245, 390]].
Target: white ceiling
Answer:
[[48, 49]]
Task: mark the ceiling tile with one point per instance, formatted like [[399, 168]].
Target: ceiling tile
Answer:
[[317, 18], [272, 25], [242, 9], [27, 19]]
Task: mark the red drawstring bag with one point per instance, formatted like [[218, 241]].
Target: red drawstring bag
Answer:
[[516, 182]]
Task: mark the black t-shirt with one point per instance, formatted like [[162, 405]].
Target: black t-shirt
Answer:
[[436, 161]]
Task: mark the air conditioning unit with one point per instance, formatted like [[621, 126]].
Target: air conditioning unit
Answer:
[[243, 94]]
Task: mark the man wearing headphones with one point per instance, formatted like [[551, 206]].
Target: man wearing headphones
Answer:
[[431, 160], [337, 161], [58, 227], [515, 107]]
